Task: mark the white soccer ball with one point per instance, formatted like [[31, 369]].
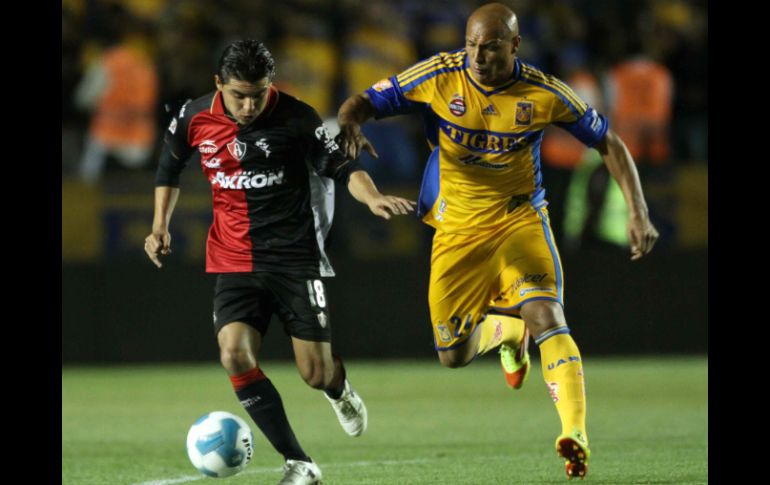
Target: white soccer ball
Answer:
[[219, 444]]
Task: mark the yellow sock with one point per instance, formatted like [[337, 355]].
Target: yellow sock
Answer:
[[500, 329], [563, 373]]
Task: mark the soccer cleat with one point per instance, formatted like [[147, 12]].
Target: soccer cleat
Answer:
[[515, 361], [574, 448], [297, 472], [351, 410]]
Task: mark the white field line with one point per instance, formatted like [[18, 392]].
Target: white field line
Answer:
[[254, 471]]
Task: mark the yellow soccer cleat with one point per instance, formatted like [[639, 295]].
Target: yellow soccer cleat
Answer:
[[574, 448], [515, 362]]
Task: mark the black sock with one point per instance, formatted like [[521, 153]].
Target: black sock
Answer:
[[336, 391], [263, 403]]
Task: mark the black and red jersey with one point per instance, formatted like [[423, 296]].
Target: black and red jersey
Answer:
[[271, 198]]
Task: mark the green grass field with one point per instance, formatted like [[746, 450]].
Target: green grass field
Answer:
[[647, 423]]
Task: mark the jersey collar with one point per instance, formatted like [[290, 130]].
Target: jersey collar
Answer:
[[486, 92], [218, 106]]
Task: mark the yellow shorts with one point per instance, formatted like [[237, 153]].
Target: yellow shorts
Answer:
[[500, 269]]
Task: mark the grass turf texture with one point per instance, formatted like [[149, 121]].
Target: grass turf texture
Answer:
[[647, 423]]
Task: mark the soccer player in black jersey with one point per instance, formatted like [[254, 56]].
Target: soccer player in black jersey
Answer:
[[270, 162]]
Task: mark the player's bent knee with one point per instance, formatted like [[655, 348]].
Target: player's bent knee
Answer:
[[452, 359], [537, 328], [316, 381], [542, 316], [236, 360], [317, 376]]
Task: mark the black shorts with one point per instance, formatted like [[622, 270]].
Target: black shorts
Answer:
[[252, 298]]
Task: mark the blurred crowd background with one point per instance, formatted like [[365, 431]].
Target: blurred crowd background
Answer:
[[643, 63]]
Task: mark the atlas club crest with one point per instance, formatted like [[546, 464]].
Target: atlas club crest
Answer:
[[237, 149]]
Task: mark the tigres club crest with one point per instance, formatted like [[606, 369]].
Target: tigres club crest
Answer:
[[443, 333], [524, 110], [237, 149], [457, 105]]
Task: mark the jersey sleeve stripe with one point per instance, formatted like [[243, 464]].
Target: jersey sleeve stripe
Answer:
[[563, 88], [578, 110], [438, 58], [409, 75], [409, 79], [565, 100], [411, 85], [569, 92], [557, 86], [420, 65], [432, 61]]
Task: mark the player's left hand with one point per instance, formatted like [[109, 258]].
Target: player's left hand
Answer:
[[352, 141], [156, 244], [642, 235], [385, 205]]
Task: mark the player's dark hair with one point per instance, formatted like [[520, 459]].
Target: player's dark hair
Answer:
[[246, 60]]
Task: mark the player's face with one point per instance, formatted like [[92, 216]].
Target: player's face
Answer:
[[244, 100], [491, 54]]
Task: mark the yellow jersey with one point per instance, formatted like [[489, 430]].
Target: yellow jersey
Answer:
[[485, 140]]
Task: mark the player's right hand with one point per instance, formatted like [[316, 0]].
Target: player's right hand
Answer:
[[351, 141], [385, 205], [156, 244], [642, 236]]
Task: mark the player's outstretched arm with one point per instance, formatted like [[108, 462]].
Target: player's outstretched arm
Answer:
[[641, 233], [159, 241], [352, 114], [362, 188]]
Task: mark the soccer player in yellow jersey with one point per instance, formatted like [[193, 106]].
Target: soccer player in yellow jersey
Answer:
[[494, 263]]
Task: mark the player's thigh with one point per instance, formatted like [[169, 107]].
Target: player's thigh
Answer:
[[239, 345], [542, 316], [303, 308], [302, 305], [459, 291], [242, 297], [530, 268]]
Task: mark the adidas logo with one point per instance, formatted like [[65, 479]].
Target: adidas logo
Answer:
[[489, 110]]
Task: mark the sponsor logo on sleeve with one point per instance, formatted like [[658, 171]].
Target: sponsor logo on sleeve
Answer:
[[322, 134], [595, 120], [382, 85]]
